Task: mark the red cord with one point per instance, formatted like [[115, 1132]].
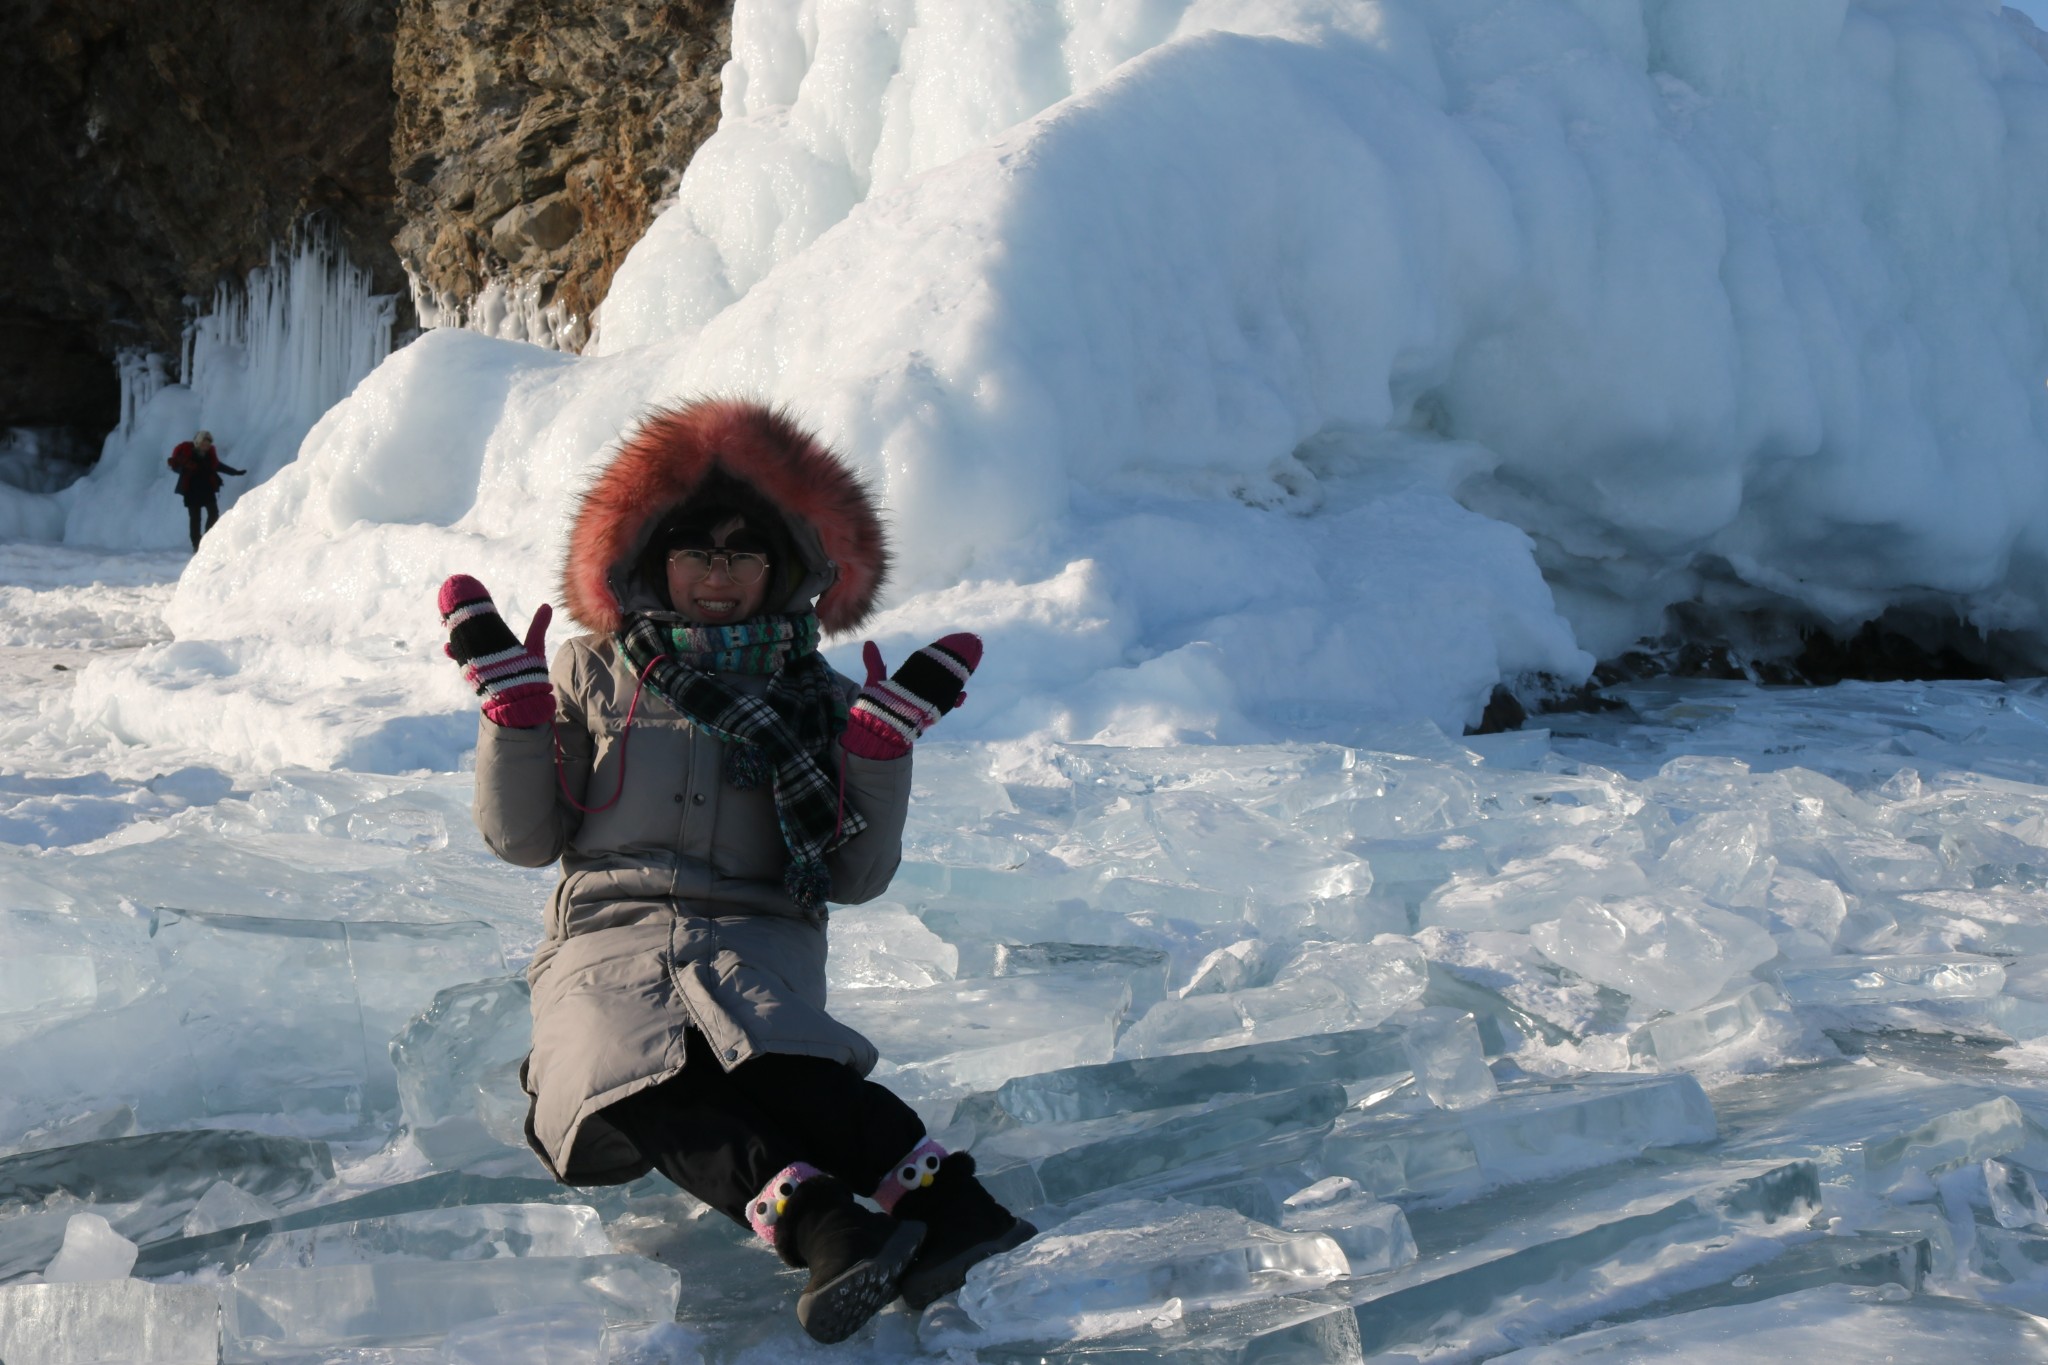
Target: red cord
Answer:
[[561, 779]]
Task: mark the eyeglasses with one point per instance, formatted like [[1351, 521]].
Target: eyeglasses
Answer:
[[742, 566]]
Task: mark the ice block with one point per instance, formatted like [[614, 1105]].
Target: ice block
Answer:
[[1675, 1038], [109, 1322], [291, 1015], [474, 1232], [457, 1067], [961, 1036], [1534, 1130], [1125, 1264], [1374, 1234], [1885, 980], [1833, 1323], [1137, 1084], [145, 1186], [272, 1314], [1671, 951]]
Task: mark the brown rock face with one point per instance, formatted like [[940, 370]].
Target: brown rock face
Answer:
[[154, 149], [535, 139]]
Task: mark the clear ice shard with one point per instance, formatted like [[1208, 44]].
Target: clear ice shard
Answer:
[[1534, 1130], [457, 1066], [1669, 951], [881, 944], [2016, 1200], [92, 1250], [1129, 1264], [548, 1335], [1229, 968], [1326, 988], [1721, 856], [37, 984], [1197, 839], [1549, 1258], [1531, 890], [1373, 1234], [1145, 969], [1676, 1038], [230, 1248], [1877, 864], [1882, 980], [936, 1041], [1902, 1260], [1112, 1088], [287, 1015], [226, 1206], [1833, 1323], [109, 1322], [144, 1186], [1869, 1126], [1445, 1055], [1162, 1152], [474, 1232], [281, 1314]]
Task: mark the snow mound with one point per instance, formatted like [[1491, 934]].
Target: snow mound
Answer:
[[1250, 370]]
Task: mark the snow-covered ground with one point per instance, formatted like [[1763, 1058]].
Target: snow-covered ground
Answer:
[[1265, 380]]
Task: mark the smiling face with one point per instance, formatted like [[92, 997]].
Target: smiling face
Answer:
[[712, 596]]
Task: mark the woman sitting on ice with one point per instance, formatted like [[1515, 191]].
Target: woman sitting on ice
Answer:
[[709, 783]]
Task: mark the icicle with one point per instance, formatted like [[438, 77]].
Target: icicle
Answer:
[[292, 342], [142, 377], [510, 310]]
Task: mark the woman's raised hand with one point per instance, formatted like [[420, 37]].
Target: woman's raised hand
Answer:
[[511, 677], [890, 713]]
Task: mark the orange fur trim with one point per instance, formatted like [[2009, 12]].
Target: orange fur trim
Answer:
[[670, 454]]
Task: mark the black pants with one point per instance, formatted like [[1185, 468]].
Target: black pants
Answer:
[[192, 510], [721, 1134]]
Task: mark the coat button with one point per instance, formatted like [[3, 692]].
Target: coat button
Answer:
[[679, 798], [698, 799]]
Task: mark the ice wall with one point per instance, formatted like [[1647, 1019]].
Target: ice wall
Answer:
[[257, 369], [1233, 365]]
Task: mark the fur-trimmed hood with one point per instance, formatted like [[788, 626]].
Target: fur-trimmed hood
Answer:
[[837, 531]]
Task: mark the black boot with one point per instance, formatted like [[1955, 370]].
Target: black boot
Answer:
[[964, 1226], [855, 1257]]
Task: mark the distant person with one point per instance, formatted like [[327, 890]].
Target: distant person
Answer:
[[679, 1017], [199, 469]]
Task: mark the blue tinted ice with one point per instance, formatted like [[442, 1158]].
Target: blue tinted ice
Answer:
[[1129, 1264], [109, 1321], [294, 1014], [1888, 979], [274, 1314], [457, 1065]]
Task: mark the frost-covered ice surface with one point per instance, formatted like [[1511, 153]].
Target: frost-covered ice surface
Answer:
[[1265, 380], [1711, 1019]]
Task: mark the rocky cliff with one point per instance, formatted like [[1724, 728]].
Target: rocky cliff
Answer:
[[157, 149], [534, 140]]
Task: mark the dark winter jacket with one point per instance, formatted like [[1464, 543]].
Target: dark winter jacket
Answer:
[[199, 471], [670, 913]]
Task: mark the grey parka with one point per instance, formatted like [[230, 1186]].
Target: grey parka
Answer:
[[670, 912]]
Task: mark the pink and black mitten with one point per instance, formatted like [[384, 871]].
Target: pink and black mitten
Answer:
[[511, 677], [890, 713]]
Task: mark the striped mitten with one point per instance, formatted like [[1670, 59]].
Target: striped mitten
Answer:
[[890, 713], [511, 677]]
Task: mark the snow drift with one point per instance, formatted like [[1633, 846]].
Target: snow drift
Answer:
[[1255, 368]]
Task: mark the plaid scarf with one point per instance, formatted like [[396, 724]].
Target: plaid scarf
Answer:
[[784, 737]]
